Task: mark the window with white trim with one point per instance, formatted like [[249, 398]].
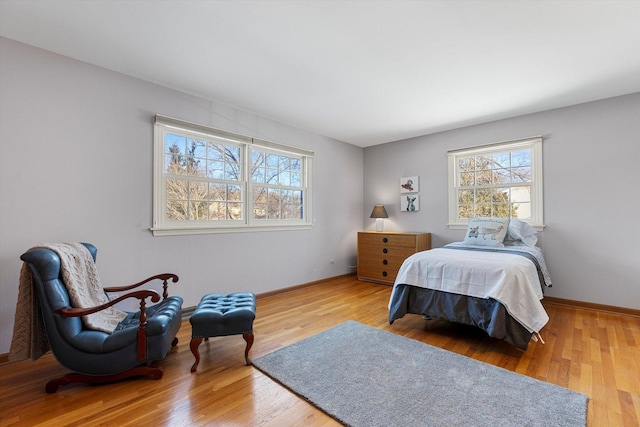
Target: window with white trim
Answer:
[[209, 181], [497, 180]]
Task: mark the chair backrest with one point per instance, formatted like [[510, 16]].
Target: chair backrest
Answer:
[[52, 294]]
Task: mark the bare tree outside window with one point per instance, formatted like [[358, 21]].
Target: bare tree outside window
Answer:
[[202, 180], [209, 180], [502, 180]]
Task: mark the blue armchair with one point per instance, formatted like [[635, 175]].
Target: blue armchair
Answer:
[[97, 357]]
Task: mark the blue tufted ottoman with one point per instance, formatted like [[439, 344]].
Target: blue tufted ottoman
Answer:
[[219, 315]]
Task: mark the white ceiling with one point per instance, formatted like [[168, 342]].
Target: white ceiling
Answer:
[[363, 72]]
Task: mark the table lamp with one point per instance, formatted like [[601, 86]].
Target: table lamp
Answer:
[[379, 212]]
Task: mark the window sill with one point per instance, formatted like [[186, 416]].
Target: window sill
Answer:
[[183, 231], [456, 226]]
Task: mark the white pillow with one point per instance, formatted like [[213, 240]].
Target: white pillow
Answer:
[[520, 230], [486, 231]]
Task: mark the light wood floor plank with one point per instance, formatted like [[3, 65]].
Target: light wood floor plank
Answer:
[[592, 352]]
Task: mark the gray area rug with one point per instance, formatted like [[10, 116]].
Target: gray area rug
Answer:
[[363, 376]]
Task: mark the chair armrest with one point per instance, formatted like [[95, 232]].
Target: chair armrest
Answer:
[[142, 328], [165, 277], [141, 295]]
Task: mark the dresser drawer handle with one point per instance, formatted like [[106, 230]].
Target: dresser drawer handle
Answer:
[[385, 240], [384, 273], [385, 262], [384, 251]]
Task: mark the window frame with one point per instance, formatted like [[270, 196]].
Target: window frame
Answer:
[[536, 185], [163, 226]]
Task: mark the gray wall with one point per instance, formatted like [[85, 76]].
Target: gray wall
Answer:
[[591, 155], [76, 164], [76, 157]]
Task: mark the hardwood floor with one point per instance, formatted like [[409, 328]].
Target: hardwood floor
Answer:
[[593, 352]]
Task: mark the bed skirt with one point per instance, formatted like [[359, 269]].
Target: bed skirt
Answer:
[[486, 314]]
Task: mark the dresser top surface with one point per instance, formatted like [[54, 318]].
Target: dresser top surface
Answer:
[[392, 232]]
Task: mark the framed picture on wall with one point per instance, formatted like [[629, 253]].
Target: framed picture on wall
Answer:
[[409, 184], [410, 203]]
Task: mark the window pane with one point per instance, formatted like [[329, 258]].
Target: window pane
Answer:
[[177, 189], [233, 154], [175, 144], [259, 195], [501, 160], [466, 164], [196, 166], [273, 203], [284, 163], [215, 152], [521, 158], [218, 211], [522, 174], [483, 211], [258, 175], [483, 196], [284, 178], [198, 211], [232, 172], [521, 194], [271, 161], [500, 210], [521, 210], [174, 165], [198, 190], [295, 180], [298, 197], [272, 176], [217, 191], [467, 179], [500, 195], [501, 176], [295, 212], [259, 211], [215, 170], [197, 148], [483, 162], [234, 193], [258, 159], [177, 210], [465, 211], [483, 177], [465, 196], [234, 211]]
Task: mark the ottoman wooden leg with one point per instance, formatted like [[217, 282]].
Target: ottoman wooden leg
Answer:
[[195, 342], [249, 339]]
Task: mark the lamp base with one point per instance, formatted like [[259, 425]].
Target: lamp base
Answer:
[[379, 224]]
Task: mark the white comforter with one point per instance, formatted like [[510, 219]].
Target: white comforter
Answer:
[[508, 278]]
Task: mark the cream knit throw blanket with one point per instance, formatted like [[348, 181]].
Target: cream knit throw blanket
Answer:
[[81, 279]]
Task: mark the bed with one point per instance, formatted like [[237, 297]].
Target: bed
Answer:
[[491, 281]]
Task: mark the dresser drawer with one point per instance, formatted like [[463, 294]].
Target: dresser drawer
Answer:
[[385, 240], [395, 258], [375, 274]]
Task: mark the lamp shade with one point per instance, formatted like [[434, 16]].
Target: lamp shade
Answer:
[[379, 212]]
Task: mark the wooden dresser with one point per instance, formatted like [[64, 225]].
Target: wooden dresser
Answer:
[[380, 254]]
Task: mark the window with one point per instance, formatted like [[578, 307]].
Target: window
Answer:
[[210, 181], [498, 180]]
